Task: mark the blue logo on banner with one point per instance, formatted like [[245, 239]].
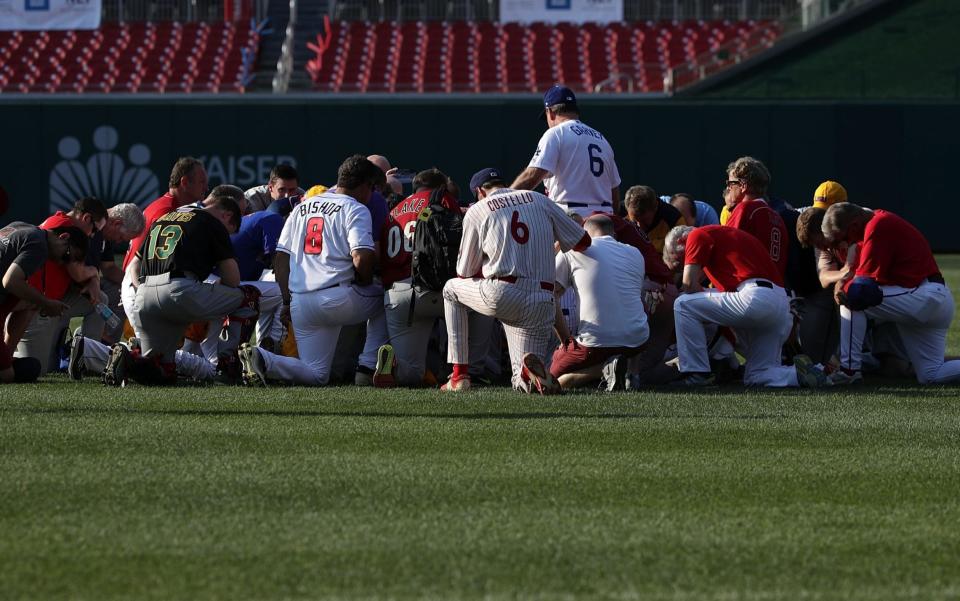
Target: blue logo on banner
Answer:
[[36, 5], [558, 4]]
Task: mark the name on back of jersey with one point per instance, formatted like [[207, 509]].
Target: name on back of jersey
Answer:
[[324, 207], [582, 130], [512, 200]]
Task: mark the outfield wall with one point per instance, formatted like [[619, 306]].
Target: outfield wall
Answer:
[[897, 156]]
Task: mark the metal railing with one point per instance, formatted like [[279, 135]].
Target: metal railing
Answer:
[[736, 51], [281, 81]]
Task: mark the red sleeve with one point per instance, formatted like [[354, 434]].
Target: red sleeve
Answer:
[[875, 251], [583, 244]]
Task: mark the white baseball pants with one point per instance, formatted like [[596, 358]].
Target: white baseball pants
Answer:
[[317, 319], [761, 319], [525, 309], [922, 314]]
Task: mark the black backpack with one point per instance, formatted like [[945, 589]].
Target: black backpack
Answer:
[[436, 244]]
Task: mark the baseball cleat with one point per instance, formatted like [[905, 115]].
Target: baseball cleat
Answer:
[[253, 368], [614, 374], [386, 363], [808, 374], [76, 366], [457, 384], [118, 365], [535, 374], [844, 377]]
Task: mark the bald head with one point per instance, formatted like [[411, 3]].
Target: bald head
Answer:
[[598, 225], [380, 161]]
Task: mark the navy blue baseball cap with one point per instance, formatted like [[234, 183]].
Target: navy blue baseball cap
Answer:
[[558, 95], [483, 176]]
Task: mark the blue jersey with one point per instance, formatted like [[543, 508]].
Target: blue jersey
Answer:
[[706, 215], [256, 242]]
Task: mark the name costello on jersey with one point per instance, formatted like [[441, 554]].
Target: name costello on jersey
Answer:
[[504, 202]]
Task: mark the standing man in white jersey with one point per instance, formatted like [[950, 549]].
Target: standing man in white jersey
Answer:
[[324, 266], [506, 270], [574, 162]]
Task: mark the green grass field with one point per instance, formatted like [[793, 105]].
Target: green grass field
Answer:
[[293, 493]]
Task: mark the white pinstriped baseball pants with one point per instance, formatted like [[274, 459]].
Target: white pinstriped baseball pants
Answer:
[[524, 308], [922, 314]]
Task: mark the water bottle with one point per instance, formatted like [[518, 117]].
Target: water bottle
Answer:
[[109, 317]]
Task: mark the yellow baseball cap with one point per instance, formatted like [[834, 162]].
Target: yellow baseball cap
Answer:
[[829, 193]]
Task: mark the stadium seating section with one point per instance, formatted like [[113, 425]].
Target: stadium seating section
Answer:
[[128, 57], [483, 56]]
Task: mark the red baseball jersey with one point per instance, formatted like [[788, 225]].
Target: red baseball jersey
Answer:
[[756, 217], [895, 253], [396, 239], [154, 211], [52, 279], [729, 256]]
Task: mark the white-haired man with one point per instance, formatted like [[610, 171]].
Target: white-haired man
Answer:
[[748, 297]]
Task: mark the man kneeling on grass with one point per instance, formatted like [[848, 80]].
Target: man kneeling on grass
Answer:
[[608, 277], [748, 297]]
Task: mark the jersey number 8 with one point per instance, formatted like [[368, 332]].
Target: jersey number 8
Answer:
[[313, 241]]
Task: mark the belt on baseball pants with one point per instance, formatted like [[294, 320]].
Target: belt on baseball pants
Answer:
[[512, 279], [583, 205], [935, 279], [164, 278], [760, 284]]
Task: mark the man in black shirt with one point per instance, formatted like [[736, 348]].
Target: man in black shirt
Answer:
[[23, 250], [181, 249]]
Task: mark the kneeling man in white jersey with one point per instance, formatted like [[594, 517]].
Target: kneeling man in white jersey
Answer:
[[608, 278], [324, 266], [506, 270]]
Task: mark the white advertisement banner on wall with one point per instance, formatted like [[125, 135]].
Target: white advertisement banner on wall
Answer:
[[35, 15], [558, 11]]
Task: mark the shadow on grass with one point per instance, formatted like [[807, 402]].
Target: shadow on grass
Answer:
[[520, 415]]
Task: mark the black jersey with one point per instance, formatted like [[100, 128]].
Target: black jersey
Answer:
[[23, 244], [185, 244]]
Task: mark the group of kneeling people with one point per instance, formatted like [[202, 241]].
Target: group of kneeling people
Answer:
[[626, 313]]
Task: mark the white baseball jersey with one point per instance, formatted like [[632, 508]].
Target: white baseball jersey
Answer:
[[581, 165], [319, 236], [608, 276], [511, 233]]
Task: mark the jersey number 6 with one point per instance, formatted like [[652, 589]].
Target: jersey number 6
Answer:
[[518, 229], [596, 163], [313, 241]]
